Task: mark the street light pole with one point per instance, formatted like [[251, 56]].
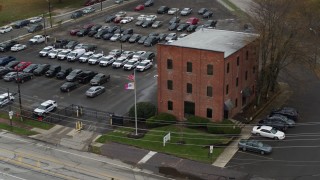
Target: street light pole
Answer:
[[19, 93], [101, 5]]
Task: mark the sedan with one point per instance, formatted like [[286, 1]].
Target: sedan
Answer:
[[68, 86], [182, 27], [202, 11], [144, 65], [18, 47], [289, 112], [109, 18], [146, 24], [142, 39], [125, 37], [275, 123], [126, 20], [267, 131], [21, 66], [106, 60], [134, 38], [5, 29], [254, 146], [30, 68], [185, 11], [83, 32], [192, 28], [139, 7], [115, 37], [174, 20], [23, 77], [173, 11], [88, 10], [95, 91], [149, 3], [156, 24], [4, 71], [63, 73], [36, 19], [207, 14], [173, 26], [139, 22], [41, 69], [10, 76]]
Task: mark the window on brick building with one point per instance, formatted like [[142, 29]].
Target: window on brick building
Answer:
[[209, 91], [209, 113], [237, 82], [246, 75], [238, 61], [170, 105], [236, 103], [254, 69], [189, 66], [209, 69], [170, 84], [228, 67], [169, 64], [227, 89], [247, 55], [189, 88]]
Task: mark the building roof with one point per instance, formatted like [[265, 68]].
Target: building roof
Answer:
[[216, 40]]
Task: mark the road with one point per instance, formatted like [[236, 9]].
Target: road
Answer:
[[22, 159]]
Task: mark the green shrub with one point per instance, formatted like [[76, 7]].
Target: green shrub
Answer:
[[197, 122], [144, 110], [224, 127], [162, 119]]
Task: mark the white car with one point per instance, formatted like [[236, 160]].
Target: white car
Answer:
[[173, 11], [115, 37], [120, 14], [84, 58], [138, 54], [18, 47], [45, 51], [5, 99], [144, 65], [88, 10], [151, 17], [131, 64], [54, 53], [142, 17], [115, 52], [63, 54], [127, 54], [120, 62], [267, 131], [95, 58], [35, 19], [126, 20], [5, 29], [182, 35], [106, 60], [45, 107]]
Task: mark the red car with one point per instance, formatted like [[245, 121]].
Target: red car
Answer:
[[21, 66], [88, 26], [193, 21], [91, 2], [74, 32], [139, 7]]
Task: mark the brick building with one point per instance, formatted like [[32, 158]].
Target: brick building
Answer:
[[210, 73]]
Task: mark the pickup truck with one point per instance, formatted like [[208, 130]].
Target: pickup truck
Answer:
[[38, 39], [86, 76], [99, 79]]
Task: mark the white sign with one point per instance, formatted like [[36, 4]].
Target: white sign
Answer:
[[166, 138], [211, 149], [10, 114]]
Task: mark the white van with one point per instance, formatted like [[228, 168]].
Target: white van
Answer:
[[5, 99], [75, 54]]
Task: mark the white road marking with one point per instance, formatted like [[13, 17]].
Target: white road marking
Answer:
[[147, 157], [6, 174]]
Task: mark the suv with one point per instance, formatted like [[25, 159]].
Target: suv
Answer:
[[86, 76], [5, 99], [54, 69], [60, 43], [45, 107]]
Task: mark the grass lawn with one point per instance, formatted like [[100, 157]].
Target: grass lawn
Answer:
[[13, 10], [17, 130], [195, 141], [28, 122]]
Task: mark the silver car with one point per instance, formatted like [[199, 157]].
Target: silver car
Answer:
[[95, 91]]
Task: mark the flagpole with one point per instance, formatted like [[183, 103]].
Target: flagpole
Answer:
[[135, 101]]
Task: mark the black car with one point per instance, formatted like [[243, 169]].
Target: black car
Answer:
[[101, 33], [76, 14], [54, 69], [23, 77], [139, 23], [202, 11], [147, 23], [192, 28], [86, 76], [118, 31], [73, 75], [125, 37], [163, 9], [149, 3], [153, 34], [63, 73], [83, 32], [30, 68], [148, 56], [134, 38], [142, 39], [207, 14], [112, 29], [150, 41], [60, 43], [91, 33], [12, 64], [6, 46], [41, 69], [280, 125], [89, 47], [35, 28], [162, 36], [68, 86], [173, 26], [174, 20], [4, 71], [182, 27], [21, 23], [6, 59], [289, 112], [99, 79], [107, 36], [110, 18], [210, 23], [71, 44], [128, 31]]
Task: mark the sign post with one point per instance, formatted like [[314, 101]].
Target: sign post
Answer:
[[10, 116], [166, 138]]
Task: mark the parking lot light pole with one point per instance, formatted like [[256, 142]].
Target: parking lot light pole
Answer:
[[135, 101], [19, 93], [101, 5], [10, 116]]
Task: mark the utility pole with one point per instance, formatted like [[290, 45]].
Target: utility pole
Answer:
[[20, 105], [101, 5]]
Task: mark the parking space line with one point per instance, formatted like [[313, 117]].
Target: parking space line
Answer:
[[256, 155], [147, 157]]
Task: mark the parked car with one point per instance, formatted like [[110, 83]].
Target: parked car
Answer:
[[193, 21], [115, 52], [23, 77], [128, 31], [95, 59], [172, 11], [6, 46], [275, 123], [146, 24], [60, 43], [21, 23], [173, 26], [101, 33], [162, 36], [73, 75], [62, 55], [99, 79], [142, 39], [138, 54], [140, 7], [127, 54], [254, 146], [139, 22], [185, 11], [6, 59], [156, 24], [6, 98], [85, 57], [134, 38], [46, 107], [30, 68], [284, 119], [76, 14], [54, 53], [12, 64], [163, 9], [86, 76], [202, 11], [88, 10], [68, 86], [4, 71], [107, 36], [267, 131], [131, 64], [148, 56], [95, 91], [83, 32], [174, 20], [45, 51], [10, 76], [71, 44], [150, 41], [21, 66], [192, 28], [106, 60], [289, 112], [125, 37], [119, 62], [126, 20], [41, 69], [207, 14], [144, 65], [121, 14], [35, 28], [115, 37], [75, 54], [18, 47], [118, 1], [110, 18], [5, 29], [182, 27], [54, 69], [210, 24], [63, 73], [149, 3], [35, 19]]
